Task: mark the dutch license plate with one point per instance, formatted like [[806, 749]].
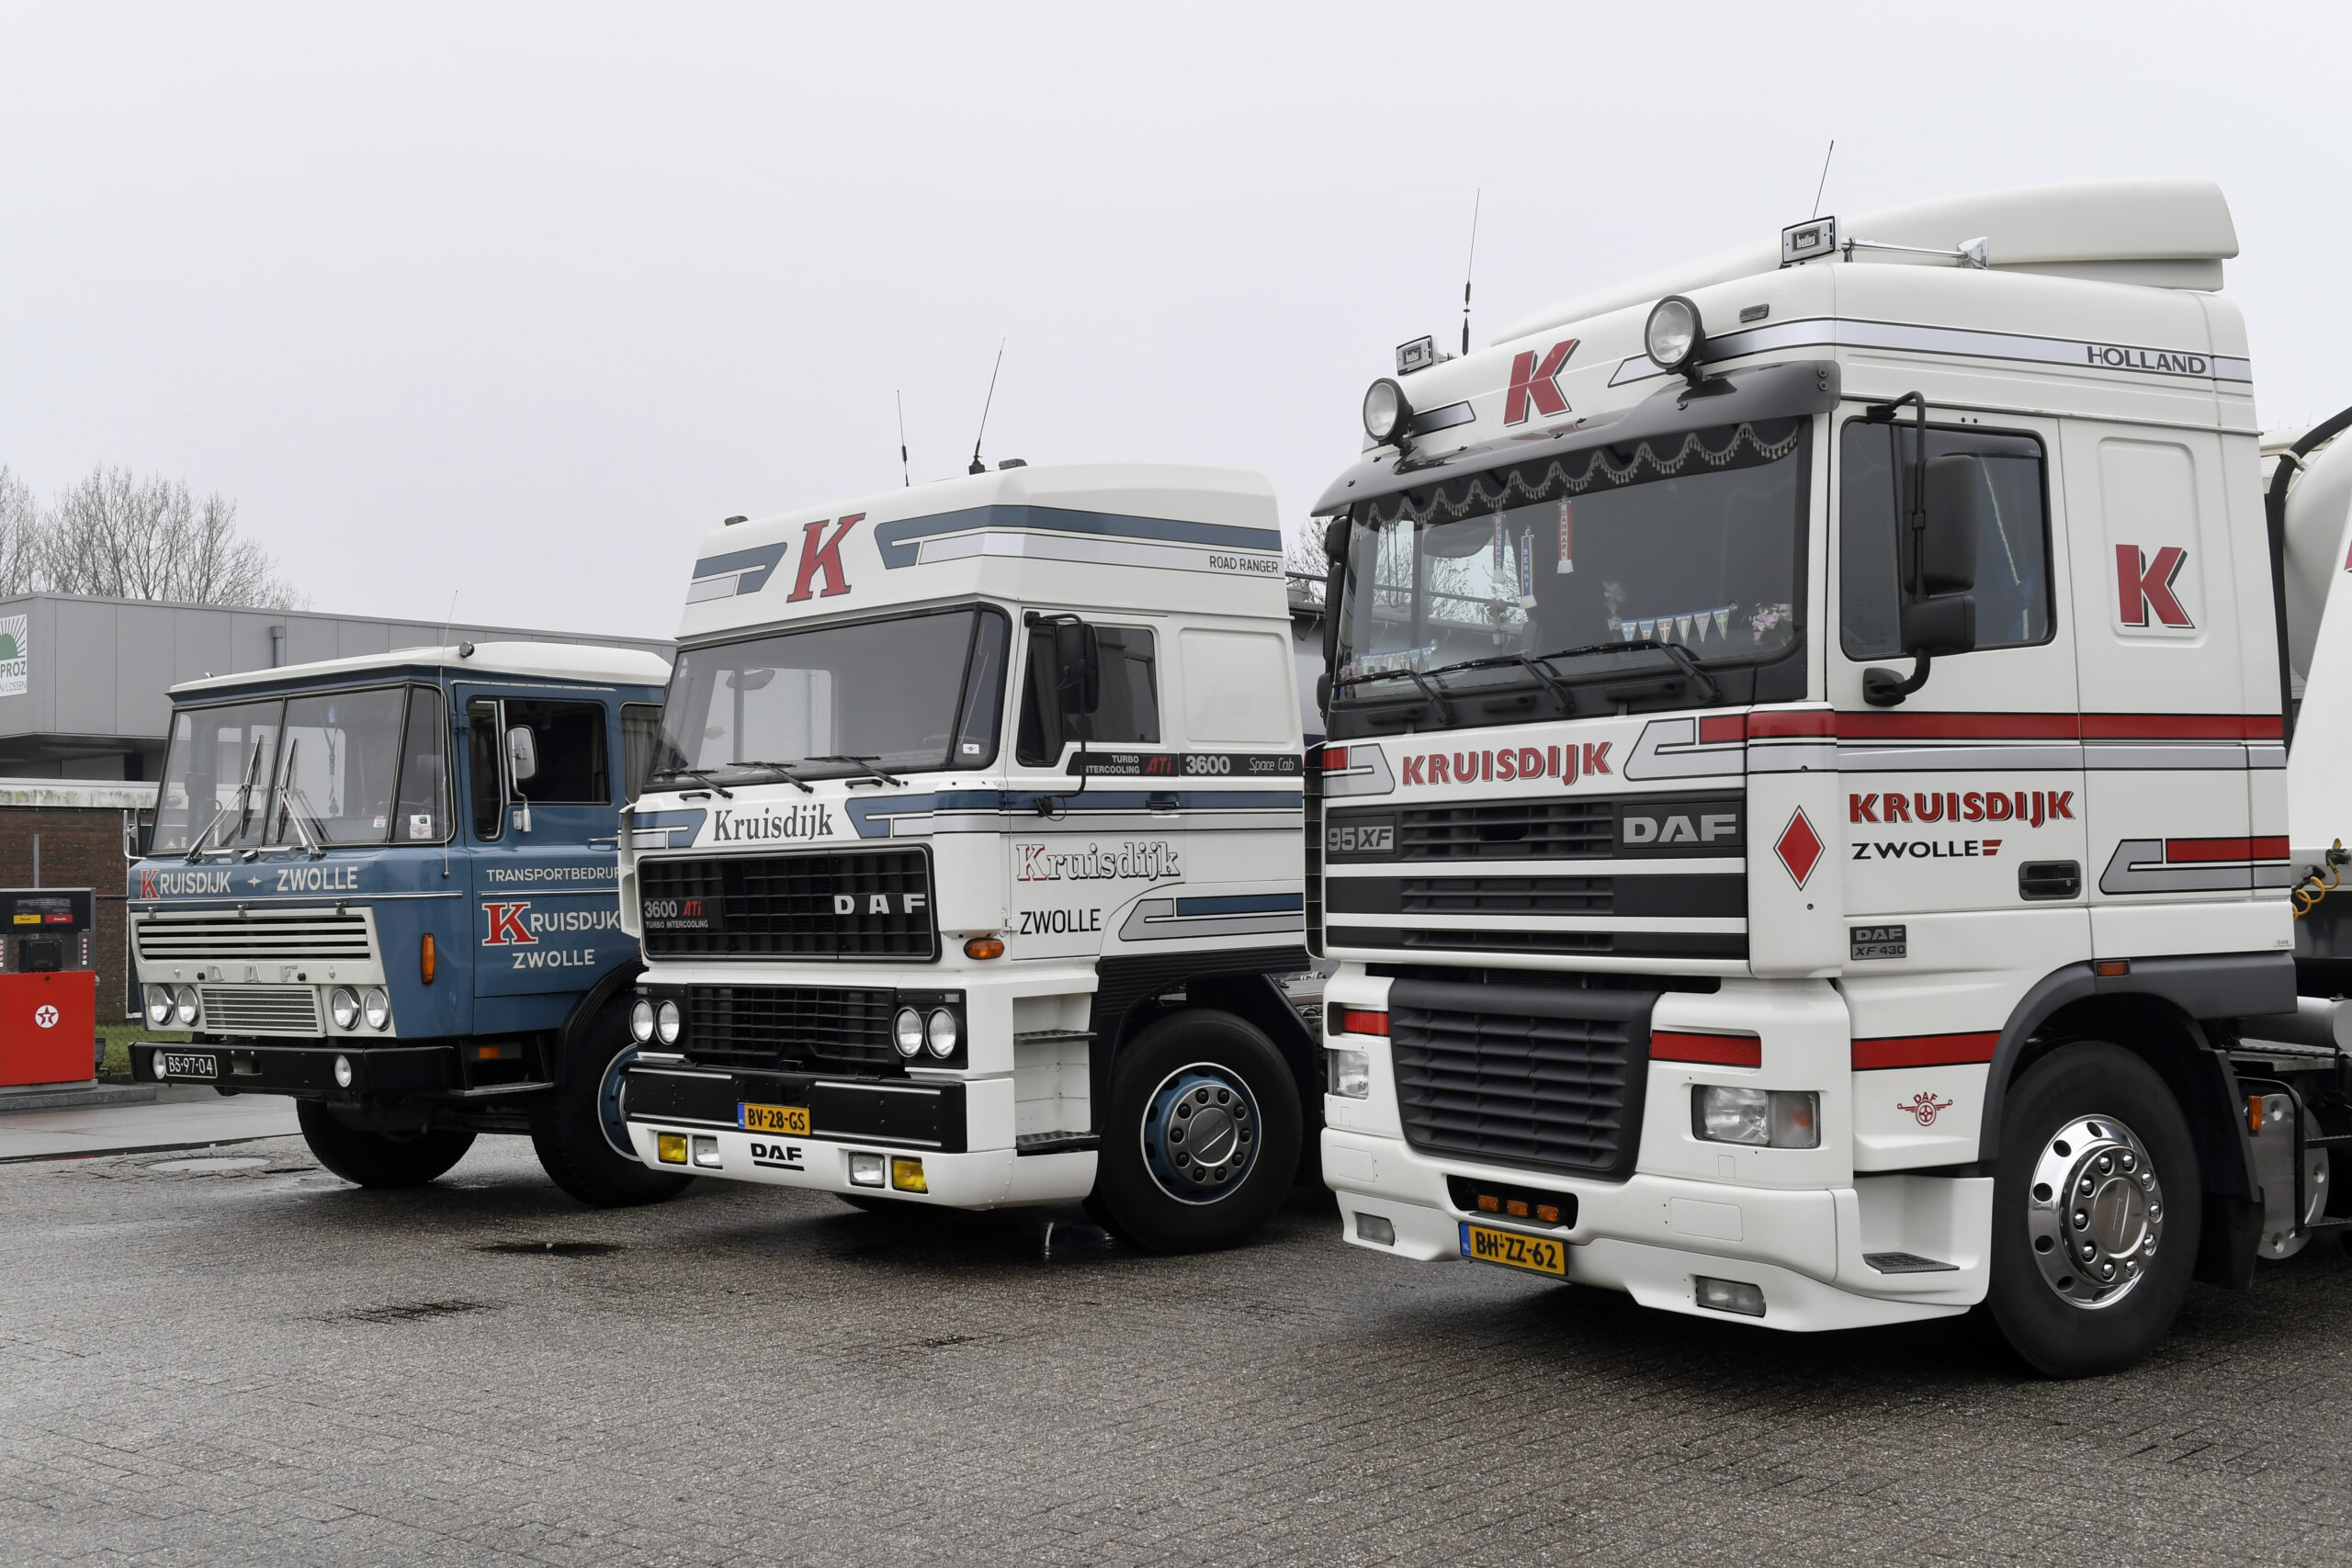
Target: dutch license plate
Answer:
[[1536, 1254], [792, 1121], [183, 1066]]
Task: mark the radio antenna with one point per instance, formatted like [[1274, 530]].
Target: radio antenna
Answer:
[[1476, 198], [904, 472], [978, 467], [1825, 177]]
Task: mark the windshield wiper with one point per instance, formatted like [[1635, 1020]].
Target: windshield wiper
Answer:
[[294, 807], [700, 776], [1444, 703], [1685, 660], [866, 765], [780, 771], [238, 803]]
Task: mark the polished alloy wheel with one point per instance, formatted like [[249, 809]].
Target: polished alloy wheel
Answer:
[[1200, 1132], [2095, 1214]]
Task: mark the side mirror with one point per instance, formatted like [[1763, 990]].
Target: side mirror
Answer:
[[1078, 669], [1933, 628], [522, 754], [1335, 539], [1960, 509]]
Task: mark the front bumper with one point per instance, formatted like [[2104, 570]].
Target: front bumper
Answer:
[[929, 1121], [381, 1074], [1649, 1236]]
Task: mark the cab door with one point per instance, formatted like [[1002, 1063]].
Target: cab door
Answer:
[[543, 782]]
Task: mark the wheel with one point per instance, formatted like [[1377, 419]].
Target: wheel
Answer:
[[2097, 1211], [581, 1134], [378, 1159], [1201, 1137]]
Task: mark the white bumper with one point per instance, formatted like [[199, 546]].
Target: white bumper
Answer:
[[984, 1179]]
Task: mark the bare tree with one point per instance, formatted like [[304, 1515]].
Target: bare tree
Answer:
[[118, 536], [20, 535]]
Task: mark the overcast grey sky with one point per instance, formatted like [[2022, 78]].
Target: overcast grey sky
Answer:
[[518, 301]]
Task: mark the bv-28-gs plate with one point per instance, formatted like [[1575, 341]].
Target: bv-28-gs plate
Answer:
[[792, 1121]]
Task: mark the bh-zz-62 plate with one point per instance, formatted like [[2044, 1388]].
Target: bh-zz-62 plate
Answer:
[[1536, 1254]]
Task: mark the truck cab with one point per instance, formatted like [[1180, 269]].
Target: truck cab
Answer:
[[1804, 830], [970, 859], [385, 886]]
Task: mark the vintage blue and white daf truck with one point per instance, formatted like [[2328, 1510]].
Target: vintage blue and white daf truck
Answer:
[[971, 863], [385, 886]]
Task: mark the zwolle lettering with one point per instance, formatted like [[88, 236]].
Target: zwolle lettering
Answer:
[[318, 878], [1141, 860], [558, 958], [1561, 762], [2143, 585], [2027, 808], [1536, 385], [1058, 922], [730, 827], [173, 883], [1922, 849]]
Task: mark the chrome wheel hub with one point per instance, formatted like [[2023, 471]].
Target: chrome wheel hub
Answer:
[[1200, 1133], [612, 1109], [2095, 1213]]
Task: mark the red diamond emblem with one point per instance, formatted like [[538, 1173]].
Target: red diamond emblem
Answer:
[[1800, 847]]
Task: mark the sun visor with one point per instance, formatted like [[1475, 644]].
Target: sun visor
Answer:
[[1769, 391]]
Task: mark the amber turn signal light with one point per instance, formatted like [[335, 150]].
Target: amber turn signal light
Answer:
[[425, 958], [984, 947], [671, 1147], [2254, 1113]]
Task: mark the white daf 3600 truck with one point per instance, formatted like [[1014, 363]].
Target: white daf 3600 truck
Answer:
[[1806, 824], [971, 857]]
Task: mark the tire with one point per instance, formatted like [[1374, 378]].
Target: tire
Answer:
[[378, 1159], [2094, 1123], [1219, 1068], [580, 1135]]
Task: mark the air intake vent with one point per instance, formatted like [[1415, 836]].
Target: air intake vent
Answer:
[[1564, 829], [787, 1027], [260, 1010], [319, 938], [860, 904]]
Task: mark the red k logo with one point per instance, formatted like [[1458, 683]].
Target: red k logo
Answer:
[[1535, 385], [506, 928], [2143, 585], [825, 558]]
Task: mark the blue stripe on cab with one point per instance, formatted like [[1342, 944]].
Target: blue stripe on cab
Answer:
[[901, 538]]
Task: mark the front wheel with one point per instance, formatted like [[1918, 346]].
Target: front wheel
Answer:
[[2097, 1211], [581, 1130], [378, 1159], [1202, 1134]]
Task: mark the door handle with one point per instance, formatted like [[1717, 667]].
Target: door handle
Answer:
[[1161, 802]]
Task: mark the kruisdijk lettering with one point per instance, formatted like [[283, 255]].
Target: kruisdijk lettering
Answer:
[[2029, 807], [730, 827], [517, 925], [154, 884], [1567, 763], [1138, 860]]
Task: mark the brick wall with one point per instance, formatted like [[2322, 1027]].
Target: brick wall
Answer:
[[79, 848]]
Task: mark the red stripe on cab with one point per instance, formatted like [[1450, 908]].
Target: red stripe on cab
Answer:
[[1716, 1050], [1923, 1051]]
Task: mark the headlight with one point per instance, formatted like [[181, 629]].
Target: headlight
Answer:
[[184, 1005], [343, 1072], [939, 1033], [342, 1004], [159, 1006], [641, 1020], [1385, 411], [1673, 333], [155, 1067], [1778, 1118], [1351, 1073], [377, 1008], [669, 1023], [905, 1031]]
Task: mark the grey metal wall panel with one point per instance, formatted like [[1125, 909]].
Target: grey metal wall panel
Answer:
[[83, 667], [203, 642], [307, 637], [144, 666], [355, 637]]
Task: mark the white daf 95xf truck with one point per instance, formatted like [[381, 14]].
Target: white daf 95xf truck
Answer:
[[1805, 830], [972, 855]]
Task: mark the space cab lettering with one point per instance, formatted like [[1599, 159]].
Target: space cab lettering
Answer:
[[732, 827], [1566, 763]]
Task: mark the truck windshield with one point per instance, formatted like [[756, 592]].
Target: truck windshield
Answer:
[[907, 695], [1694, 540], [320, 767]]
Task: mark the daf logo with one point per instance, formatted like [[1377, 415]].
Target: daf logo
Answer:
[[1699, 828], [877, 904]]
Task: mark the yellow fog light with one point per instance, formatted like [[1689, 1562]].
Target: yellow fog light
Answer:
[[906, 1175], [671, 1147]]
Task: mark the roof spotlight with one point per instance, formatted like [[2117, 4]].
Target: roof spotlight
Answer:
[[1386, 414], [1674, 336]]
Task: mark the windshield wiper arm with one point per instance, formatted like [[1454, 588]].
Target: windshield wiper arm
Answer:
[[780, 771], [1444, 704], [866, 764], [237, 803], [294, 807], [1685, 660], [700, 776]]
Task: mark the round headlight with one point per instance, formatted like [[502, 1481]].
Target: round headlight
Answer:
[[159, 1006], [343, 1072], [155, 1067], [1385, 411], [377, 1008], [184, 1005], [905, 1031], [641, 1020], [342, 1004], [939, 1033], [669, 1023], [1673, 333]]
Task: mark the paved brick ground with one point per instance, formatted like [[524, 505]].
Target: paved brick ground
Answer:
[[269, 1367]]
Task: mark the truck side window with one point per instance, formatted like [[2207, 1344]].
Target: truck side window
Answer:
[[421, 812], [483, 743], [640, 740], [2013, 591], [1128, 714], [570, 738]]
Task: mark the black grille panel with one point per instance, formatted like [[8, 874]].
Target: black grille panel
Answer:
[[790, 906], [1508, 896], [1526, 829], [783, 1027], [1523, 1075]]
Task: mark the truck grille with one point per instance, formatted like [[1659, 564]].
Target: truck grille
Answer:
[[260, 1010], [1548, 1076], [1524, 829], [320, 938], [781, 1027], [790, 906]]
